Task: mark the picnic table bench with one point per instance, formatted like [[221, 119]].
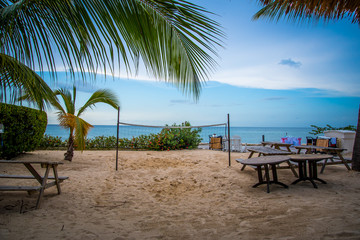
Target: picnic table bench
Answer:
[[327, 150], [42, 180]]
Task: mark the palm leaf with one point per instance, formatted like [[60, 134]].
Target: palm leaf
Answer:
[[175, 39], [68, 101], [18, 80], [100, 96], [81, 130], [298, 10]]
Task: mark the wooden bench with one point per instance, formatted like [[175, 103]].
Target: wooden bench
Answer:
[[42, 180]]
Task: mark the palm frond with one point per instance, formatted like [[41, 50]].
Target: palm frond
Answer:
[[298, 10], [68, 101], [175, 39], [100, 96], [81, 130], [17, 80]]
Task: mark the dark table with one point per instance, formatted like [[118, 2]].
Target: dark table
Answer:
[[266, 151], [310, 160], [267, 162], [278, 145], [328, 150]]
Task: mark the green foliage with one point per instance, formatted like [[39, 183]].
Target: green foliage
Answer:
[[319, 130], [24, 128], [167, 139], [50, 142]]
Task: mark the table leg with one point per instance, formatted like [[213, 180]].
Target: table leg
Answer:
[[302, 172], [267, 177], [261, 181], [33, 172], [323, 166], [275, 178], [314, 175], [312, 172], [251, 154], [56, 179], [43, 184], [343, 160], [292, 169]]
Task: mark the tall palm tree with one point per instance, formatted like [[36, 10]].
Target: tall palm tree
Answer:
[[316, 9], [175, 40], [71, 120]]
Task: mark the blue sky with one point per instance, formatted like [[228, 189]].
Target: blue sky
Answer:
[[269, 74]]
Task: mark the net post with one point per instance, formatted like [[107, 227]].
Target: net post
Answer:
[[117, 138], [228, 123]]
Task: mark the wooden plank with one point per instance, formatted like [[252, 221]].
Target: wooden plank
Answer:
[[31, 162], [20, 188], [28, 177]]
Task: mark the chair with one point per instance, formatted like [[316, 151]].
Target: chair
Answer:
[[235, 143], [322, 142]]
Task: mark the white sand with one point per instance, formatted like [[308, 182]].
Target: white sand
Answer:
[[179, 195]]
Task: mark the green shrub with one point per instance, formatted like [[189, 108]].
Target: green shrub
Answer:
[[167, 139], [24, 129], [50, 142]]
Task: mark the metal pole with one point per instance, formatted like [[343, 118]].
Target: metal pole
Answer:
[[117, 138], [228, 119]]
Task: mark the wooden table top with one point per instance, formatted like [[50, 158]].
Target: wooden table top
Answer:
[[277, 143], [319, 148], [267, 150], [304, 157], [258, 161]]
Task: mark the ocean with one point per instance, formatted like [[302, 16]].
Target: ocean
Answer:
[[247, 134]]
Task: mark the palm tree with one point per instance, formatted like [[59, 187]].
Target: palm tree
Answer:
[[175, 40], [70, 120], [316, 9]]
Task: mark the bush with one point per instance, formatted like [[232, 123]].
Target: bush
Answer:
[[50, 142], [167, 139], [24, 129]]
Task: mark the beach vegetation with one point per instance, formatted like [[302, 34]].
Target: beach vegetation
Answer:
[[320, 130], [167, 139], [23, 129], [70, 119]]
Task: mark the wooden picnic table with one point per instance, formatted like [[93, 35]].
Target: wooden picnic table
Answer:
[[310, 160], [42, 180], [267, 162], [277, 145], [328, 150], [266, 151]]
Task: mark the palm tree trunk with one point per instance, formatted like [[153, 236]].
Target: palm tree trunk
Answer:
[[356, 151], [70, 150]]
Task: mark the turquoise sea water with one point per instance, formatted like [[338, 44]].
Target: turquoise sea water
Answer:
[[247, 134]]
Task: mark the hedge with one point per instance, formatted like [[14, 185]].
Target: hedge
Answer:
[[167, 139], [23, 129]]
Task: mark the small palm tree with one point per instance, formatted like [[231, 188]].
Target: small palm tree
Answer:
[[70, 120]]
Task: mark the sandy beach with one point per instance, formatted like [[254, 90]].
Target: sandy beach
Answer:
[[189, 194]]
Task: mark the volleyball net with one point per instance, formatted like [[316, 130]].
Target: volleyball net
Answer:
[[131, 136]]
